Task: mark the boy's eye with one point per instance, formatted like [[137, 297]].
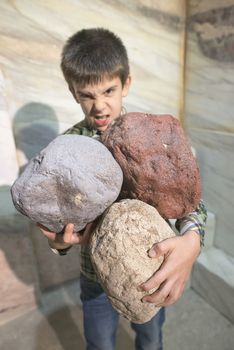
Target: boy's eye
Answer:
[[85, 96], [109, 91]]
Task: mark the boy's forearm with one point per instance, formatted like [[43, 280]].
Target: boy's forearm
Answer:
[[193, 239]]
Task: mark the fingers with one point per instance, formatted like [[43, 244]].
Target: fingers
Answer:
[[161, 248], [159, 296], [50, 235], [154, 282], [68, 234], [160, 276], [168, 293], [174, 295], [169, 279], [69, 237]]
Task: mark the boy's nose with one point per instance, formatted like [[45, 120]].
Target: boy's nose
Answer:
[[98, 106]]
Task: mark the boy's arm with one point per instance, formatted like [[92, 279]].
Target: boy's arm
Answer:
[[179, 253], [61, 243]]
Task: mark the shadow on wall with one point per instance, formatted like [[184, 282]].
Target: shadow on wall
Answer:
[[35, 125]]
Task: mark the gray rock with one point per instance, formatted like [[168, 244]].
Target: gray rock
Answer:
[[118, 251], [73, 180]]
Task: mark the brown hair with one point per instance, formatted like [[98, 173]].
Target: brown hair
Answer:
[[93, 54]]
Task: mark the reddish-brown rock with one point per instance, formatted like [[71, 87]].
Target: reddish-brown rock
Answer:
[[158, 165]]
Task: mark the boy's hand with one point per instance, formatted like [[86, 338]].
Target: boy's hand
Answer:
[[69, 237], [179, 255]]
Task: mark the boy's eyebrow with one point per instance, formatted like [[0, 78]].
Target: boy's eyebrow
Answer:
[[111, 87], [84, 92], [88, 93]]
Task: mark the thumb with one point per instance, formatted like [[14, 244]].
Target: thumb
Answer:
[[68, 232], [160, 248]]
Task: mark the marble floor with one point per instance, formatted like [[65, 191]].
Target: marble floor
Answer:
[[191, 324]]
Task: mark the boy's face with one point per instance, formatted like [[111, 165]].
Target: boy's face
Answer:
[[101, 102]]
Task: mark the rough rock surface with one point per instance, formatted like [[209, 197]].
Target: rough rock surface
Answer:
[[118, 250], [74, 179], [158, 165]]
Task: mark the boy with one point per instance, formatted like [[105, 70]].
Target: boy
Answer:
[[95, 66]]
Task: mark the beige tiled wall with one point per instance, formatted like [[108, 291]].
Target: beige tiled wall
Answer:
[[209, 107], [36, 106], [196, 87]]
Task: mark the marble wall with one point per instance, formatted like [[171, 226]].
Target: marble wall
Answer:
[[209, 107], [183, 71], [36, 106]]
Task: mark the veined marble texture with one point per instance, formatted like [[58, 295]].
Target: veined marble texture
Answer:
[[213, 22], [209, 91], [9, 168], [36, 106], [209, 108], [32, 36], [210, 66], [216, 161]]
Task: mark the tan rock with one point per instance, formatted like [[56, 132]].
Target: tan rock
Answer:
[[119, 248]]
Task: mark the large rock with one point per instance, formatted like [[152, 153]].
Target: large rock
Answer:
[[158, 165], [118, 251], [73, 180]]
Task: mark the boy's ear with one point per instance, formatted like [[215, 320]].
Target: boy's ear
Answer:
[[126, 86], [72, 90]]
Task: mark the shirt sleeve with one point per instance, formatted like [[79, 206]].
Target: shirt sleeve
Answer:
[[194, 221], [75, 130]]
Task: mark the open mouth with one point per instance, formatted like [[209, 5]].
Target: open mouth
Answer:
[[101, 120]]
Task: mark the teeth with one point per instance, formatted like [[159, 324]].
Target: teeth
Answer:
[[102, 117]]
